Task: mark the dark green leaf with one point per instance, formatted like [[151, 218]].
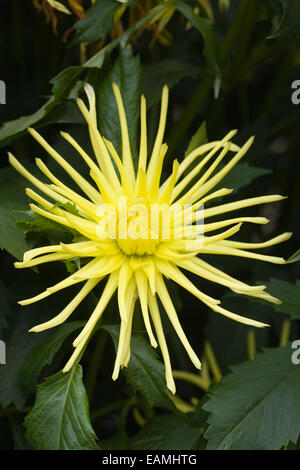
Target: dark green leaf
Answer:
[[289, 294], [294, 258], [59, 419], [97, 22], [126, 72], [145, 372], [199, 138], [11, 238], [290, 19], [12, 198], [42, 354], [241, 175], [63, 82], [14, 128], [168, 432], [62, 85], [257, 406], [166, 72], [66, 112], [206, 28]]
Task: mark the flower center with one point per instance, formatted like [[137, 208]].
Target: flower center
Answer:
[[138, 230]]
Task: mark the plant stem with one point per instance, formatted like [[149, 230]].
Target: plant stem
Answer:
[[182, 405], [285, 332], [139, 419], [251, 343], [191, 378], [211, 359], [83, 56]]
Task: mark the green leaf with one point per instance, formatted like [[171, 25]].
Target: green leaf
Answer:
[[199, 138], [59, 419], [11, 238], [257, 406], [166, 72], [52, 112], [62, 85], [39, 224], [145, 372], [63, 82], [206, 28], [15, 127], [126, 72], [294, 258], [168, 432], [42, 354], [289, 294], [241, 175], [97, 22], [12, 198], [66, 112], [290, 19]]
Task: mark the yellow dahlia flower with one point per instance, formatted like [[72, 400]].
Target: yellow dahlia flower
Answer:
[[131, 252]]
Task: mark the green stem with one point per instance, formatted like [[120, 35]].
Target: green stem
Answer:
[[285, 332], [139, 419], [230, 39], [181, 405], [212, 362], [251, 343], [83, 56], [247, 23], [191, 378]]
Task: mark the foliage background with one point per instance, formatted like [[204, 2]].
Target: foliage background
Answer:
[[253, 48]]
